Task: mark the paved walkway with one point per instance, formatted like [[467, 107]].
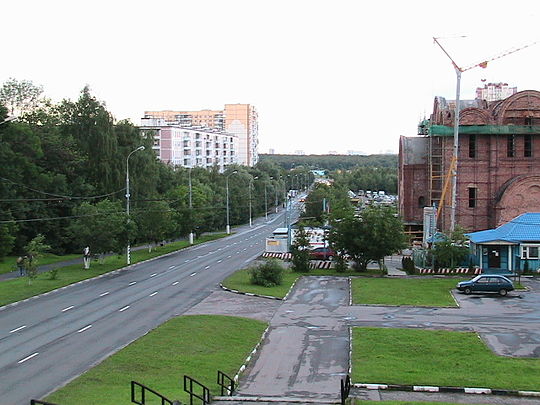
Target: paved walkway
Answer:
[[306, 351]]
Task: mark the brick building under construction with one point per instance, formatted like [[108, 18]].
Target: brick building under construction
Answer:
[[498, 164]]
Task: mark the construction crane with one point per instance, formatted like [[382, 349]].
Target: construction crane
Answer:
[[452, 172]]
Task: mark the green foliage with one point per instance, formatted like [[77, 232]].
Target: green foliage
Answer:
[[34, 251], [300, 252], [330, 162], [325, 202], [407, 264], [53, 274], [367, 178], [19, 96], [377, 233], [267, 274], [102, 227], [155, 222], [341, 265], [450, 252]]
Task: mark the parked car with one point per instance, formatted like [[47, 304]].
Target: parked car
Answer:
[[487, 283], [322, 253]]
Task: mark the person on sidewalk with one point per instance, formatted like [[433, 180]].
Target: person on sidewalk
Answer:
[[86, 257], [20, 266]]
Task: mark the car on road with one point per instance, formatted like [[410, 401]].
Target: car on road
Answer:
[[322, 253], [487, 283]]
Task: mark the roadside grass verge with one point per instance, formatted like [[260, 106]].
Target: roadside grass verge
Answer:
[[9, 263], [240, 281], [18, 289], [404, 291], [196, 345], [437, 358]]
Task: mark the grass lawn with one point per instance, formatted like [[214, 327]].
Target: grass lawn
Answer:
[[240, 281], [18, 289], [438, 358], [9, 263], [404, 291], [197, 346]]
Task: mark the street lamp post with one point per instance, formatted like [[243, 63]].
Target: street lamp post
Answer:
[[190, 210], [228, 229], [250, 186], [128, 250], [265, 203]]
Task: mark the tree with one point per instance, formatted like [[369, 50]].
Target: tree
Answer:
[[155, 222], [20, 97], [7, 238], [299, 251], [102, 227], [377, 233], [34, 251]]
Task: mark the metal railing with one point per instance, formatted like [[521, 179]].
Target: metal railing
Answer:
[[226, 383], [188, 387], [143, 390], [345, 389]]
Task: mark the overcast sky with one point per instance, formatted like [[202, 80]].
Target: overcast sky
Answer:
[[324, 75]]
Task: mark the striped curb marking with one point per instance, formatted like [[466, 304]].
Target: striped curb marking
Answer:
[[465, 390]]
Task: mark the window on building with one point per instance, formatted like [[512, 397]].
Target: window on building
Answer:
[[472, 197], [421, 201], [510, 145], [472, 146], [529, 251], [528, 121], [527, 145]]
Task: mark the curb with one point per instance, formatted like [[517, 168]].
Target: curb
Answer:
[[249, 294], [463, 390], [253, 352]]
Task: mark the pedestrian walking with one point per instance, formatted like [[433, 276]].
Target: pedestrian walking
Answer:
[[86, 257], [20, 265]]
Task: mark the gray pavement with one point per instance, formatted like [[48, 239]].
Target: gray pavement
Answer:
[[305, 354]]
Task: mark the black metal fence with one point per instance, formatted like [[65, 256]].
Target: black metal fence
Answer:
[[345, 389], [143, 390], [226, 383], [202, 393], [38, 402]]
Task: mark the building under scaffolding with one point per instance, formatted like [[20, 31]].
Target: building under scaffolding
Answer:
[[498, 164]]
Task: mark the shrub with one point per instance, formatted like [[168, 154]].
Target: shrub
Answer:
[[267, 274], [341, 264], [407, 264]]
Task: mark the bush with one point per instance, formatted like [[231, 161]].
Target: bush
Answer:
[[407, 264], [267, 274], [341, 264]]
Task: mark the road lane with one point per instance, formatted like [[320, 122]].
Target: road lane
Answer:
[[52, 339]]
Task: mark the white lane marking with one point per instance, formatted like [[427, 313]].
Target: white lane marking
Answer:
[[83, 329], [171, 267], [176, 282], [228, 257], [17, 329], [123, 309], [154, 293], [220, 260], [192, 274], [104, 294], [68, 308], [28, 357], [153, 275], [245, 248], [187, 260], [132, 283], [207, 267]]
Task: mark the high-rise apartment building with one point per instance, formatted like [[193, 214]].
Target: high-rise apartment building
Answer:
[[191, 146], [495, 91], [237, 119]]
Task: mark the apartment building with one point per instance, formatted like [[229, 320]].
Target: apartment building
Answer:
[[191, 146], [497, 166], [495, 91], [237, 119]]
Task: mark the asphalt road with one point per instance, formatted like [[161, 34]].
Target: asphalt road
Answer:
[[48, 341]]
